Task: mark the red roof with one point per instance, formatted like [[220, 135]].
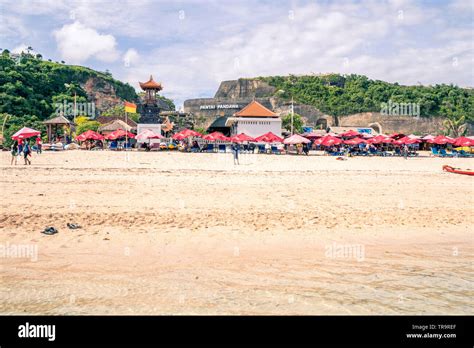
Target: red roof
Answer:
[[151, 84], [255, 109]]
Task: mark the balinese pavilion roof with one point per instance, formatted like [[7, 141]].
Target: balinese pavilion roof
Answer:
[[115, 125], [58, 120], [255, 109], [108, 119], [151, 84]]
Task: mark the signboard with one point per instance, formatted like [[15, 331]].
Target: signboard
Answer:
[[219, 106]]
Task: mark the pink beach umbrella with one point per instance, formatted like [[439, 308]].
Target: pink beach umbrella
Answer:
[[25, 133], [148, 134], [296, 139]]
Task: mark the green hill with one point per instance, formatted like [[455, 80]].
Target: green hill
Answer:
[[339, 95], [30, 86]]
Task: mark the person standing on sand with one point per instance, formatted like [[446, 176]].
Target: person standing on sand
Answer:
[[235, 151], [27, 152], [20, 146], [39, 144], [14, 152], [405, 151]]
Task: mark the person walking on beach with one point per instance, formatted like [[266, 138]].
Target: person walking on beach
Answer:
[[26, 153], [20, 146], [405, 151], [235, 151], [39, 144], [14, 152]]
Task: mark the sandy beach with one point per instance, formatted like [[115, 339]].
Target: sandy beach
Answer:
[[175, 233]]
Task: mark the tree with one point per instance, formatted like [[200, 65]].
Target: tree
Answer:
[[297, 123], [87, 125], [455, 126]]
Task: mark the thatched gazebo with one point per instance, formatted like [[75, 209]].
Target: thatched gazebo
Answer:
[[115, 125], [54, 123]]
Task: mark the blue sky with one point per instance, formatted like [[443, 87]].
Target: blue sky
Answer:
[[192, 45]]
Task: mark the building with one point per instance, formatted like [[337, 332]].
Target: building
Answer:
[[149, 110], [254, 120]]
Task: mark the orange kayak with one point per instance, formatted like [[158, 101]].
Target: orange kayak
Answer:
[[458, 170]]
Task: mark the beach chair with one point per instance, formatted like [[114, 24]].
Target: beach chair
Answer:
[[434, 151], [222, 148], [443, 153], [275, 150], [463, 153], [210, 147], [261, 148], [113, 145]]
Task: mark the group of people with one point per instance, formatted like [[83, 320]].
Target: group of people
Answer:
[[22, 147]]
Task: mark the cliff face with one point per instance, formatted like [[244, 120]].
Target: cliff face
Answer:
[[102, 93], [244, 89]]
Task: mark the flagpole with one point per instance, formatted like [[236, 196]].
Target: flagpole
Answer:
[[126, 131]]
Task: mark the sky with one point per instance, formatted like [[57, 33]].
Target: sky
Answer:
[[190, 46]]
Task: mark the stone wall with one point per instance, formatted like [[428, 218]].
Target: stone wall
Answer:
[[392, 124]]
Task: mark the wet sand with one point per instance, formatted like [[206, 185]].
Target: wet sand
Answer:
[[173, 233]]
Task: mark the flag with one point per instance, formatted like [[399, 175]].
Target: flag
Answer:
[[130, 107]]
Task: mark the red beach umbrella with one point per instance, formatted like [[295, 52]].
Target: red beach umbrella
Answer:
[[269, 138], [350, 133], [25, 133], [409, 141], [241, 137], [354, 141], [441, 140], [119, 133], [215, 136], [89, 135], [463, 141], [329, 140]]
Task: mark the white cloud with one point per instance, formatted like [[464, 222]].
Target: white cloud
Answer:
[[21, 48], [78, 43], [130, 57]]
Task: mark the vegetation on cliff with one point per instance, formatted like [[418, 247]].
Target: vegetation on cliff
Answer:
[[30, 87], [339, 95]]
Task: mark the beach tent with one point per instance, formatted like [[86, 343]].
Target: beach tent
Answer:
[[463, 141], [119, 133], [241, 137], [25, 133], [269, 138], [89, 135], [329, 140], [148, 134], [296, 139]]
